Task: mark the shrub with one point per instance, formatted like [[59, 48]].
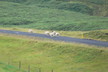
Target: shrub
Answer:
[[76, 7], [17, 1]]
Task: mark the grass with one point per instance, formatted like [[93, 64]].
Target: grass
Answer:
[[45, 18], [100, 35], [92, 7], [48, 55], [70, 18], [8, 68]]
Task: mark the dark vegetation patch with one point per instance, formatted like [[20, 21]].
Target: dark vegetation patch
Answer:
[[76, 7], [23, 22], [16, 1]]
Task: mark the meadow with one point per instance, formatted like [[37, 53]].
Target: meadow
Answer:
[[50, 55], [86, 19]]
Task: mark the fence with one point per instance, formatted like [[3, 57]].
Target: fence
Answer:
[[28, 67]]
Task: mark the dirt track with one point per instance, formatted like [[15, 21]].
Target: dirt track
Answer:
[[60, 38]]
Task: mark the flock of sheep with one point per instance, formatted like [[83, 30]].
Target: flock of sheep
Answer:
[[52, 34], [48, 33]]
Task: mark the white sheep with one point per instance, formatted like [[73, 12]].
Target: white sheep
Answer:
[[47, 32], [30, 30], [54, 34], [57, 34]]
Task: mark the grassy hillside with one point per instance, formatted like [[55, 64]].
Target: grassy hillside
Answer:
[[48, 55], [91, 7], [8, 68], [39, 17]]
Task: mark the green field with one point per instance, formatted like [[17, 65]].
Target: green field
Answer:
[[8, 68], [86, 19], [35, 14], [48, 55]]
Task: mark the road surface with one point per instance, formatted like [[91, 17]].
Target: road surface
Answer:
[[60, 38]]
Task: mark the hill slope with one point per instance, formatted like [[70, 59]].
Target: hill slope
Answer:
[[48, 55], [36, 16], [91, 7]]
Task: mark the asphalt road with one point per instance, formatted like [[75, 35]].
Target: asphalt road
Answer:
[[60, 38]]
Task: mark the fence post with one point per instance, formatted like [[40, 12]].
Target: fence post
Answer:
[[29, 68], [19, 65], [39, 69], [9, 61], [52, 70]]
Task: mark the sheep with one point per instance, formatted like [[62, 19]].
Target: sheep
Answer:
[[57, 34], [47, 32], [52, 34], [30, 30]]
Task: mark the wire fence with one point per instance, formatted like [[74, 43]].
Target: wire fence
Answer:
[[29, 68]]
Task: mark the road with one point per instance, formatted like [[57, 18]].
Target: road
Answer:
[[60, 38]]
